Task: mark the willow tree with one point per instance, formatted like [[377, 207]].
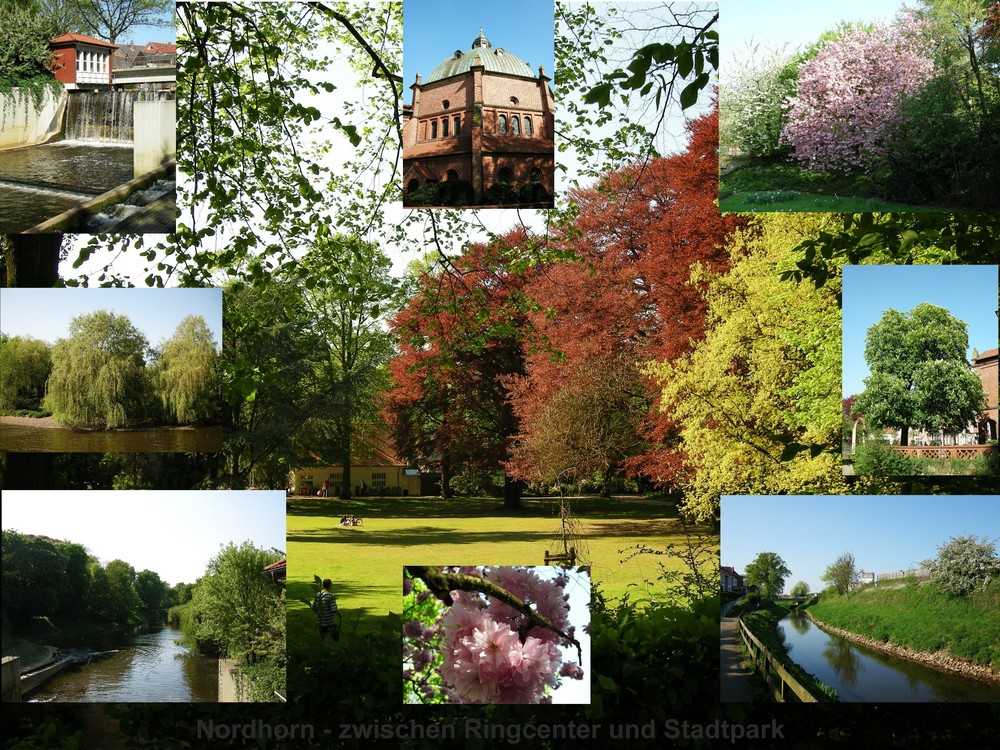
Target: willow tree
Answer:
[[187, 376], [25, 364], [99, 374]]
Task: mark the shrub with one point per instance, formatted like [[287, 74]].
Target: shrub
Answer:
[[456, 193], [964, 565], [500, 194], [425, 195], [849, 95], [879, 459]]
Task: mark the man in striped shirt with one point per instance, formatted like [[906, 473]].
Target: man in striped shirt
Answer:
[[325, 607]]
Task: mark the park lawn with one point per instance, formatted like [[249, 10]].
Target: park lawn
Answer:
[[920, 617], [813, 203], [366, 562]]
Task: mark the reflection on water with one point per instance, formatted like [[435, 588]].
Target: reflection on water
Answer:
[[860, 674], [148, 668], [21, 439]]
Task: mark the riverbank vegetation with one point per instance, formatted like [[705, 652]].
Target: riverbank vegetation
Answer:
[[235, 610], [106, 375], [763, 623], [58, 590], [920, 615]]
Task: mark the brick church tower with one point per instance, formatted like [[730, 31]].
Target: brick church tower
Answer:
[[481, 119]]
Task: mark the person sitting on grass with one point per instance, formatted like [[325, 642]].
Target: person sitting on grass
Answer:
[[325, 607]]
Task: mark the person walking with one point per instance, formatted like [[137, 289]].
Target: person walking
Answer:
[[325, 607]]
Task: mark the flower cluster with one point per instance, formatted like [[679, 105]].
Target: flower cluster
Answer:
[[482, 649], [849, 95]]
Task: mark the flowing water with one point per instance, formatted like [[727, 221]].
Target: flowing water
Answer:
[[95, 155], [151, 667], [860, 674]]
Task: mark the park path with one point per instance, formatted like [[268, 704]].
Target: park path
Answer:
[[734, 679]]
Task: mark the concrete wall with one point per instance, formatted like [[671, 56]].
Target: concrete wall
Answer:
[[22, 125], [155, 127], [11, 679], [227, 681]]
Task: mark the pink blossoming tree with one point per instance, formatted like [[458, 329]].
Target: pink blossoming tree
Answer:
[[499, 641], [849, 95]]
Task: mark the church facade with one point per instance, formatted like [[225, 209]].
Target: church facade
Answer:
[[483, 122]]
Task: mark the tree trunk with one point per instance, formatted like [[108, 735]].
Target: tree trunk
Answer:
[[904, 436], [512, 489], [30, 260], [446, 478]]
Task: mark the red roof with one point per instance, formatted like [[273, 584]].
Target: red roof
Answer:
[[987, 354], [161, 48], [69, 38]]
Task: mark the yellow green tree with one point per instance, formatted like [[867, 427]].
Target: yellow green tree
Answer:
[[187, 375], [757, 402]]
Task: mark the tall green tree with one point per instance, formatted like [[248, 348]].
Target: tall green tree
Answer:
[[800, 589], [152, 593], [350, 288], [919, 373], [25, 364], [122, 604], [99, 374], [842, 573], [186, 376], [768, 573]]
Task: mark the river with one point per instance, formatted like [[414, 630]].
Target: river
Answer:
[[25, 438], [149, 667], [863, 675]]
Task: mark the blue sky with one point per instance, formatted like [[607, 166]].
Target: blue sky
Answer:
[[46, 313], [885, 533], [434, 29], [174, 534], [968, 292], [797, 23]]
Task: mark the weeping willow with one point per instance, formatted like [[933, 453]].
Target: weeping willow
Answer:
[[187, 376], [99, 376]]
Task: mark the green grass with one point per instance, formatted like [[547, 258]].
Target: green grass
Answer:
[[366, 562], [921, 617], [775, 184]]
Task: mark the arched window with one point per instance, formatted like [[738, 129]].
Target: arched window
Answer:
[[515, 125], [502, 124], [458, 124], [513, 101], [434, 129], [505, 176], [412, 185], [451, 175], [527, 126], [444, 128], [445, 104], [534, 176]]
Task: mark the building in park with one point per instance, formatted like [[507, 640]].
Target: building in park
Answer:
[[480, 128], [82, 61], [732, 582], [381, 474], [986, 366]]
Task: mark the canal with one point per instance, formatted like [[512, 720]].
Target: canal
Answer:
[[149, 667], [860, 674]]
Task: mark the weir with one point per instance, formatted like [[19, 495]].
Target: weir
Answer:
[[96, 152]]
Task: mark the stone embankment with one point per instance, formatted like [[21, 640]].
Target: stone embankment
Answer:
[[937, 659]]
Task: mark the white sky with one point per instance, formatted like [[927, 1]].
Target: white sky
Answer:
[[174, 534]]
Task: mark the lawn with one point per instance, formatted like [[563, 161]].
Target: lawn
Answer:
[[366, 562], [771, 185]]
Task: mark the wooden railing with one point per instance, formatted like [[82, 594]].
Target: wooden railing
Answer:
[[944, 451], [764, 662]]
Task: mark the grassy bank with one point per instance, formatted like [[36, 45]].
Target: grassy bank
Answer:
[[763, 623], [920, 617]]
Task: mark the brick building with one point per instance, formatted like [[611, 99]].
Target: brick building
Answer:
[[986, 366], [480, 119], [81, 60]]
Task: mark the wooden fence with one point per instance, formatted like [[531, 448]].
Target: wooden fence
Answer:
[[783, 688]]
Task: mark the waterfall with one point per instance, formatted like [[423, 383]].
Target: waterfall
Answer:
[[104, 116]]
